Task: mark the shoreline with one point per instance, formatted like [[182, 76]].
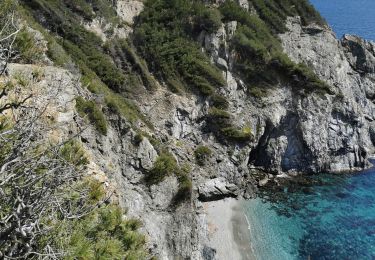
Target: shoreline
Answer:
[[228, 230]]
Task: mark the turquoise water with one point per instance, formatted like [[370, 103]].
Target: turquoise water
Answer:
[[333, 219], [349, 16]]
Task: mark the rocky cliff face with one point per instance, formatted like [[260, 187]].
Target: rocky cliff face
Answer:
[[336, 129], [293, 132], [310, 133]]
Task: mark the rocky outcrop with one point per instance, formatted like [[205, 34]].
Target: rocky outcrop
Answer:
[[217, 189], [359, 53], [146, 154], [333, 129], [307, 132], [129, 9]]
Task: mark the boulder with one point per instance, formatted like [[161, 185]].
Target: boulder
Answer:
[[146, 154], [216, 189]]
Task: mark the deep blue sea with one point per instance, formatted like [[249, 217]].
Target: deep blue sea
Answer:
[[335, 218], [349, 16]]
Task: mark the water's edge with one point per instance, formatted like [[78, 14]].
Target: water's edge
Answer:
[[332, 219]]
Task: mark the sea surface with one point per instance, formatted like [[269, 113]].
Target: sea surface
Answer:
[[349, 16], [334, 218]]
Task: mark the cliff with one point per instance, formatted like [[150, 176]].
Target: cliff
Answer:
[[232, 115]]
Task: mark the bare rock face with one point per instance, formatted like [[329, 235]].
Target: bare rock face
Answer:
[[217, 189], [331, 133], [244, 4], [146, 154], [360, 53], [314, 132], [128, 9], [52, 88]]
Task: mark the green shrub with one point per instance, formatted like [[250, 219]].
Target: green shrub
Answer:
[[106, 70], [184, 188], [258, 92], [237, 135], [275, 12], [84, 47], [102, 234], [259, 56], [175, 85], [137, 64], [208, 19], [202, 153], [163, 36], [219, 101], [81, 7], [93, 113], [217, 119], [219, 122], [184, 185], [216, 113], [112, 105], [86, 50], [165, 165], [96, 191], [27, 48], [74, 153], [138, 138], [21, 79], [6, 7]]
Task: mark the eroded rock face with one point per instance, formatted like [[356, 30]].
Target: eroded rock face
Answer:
[[314, 132], [146, 154], [128, 9], [333, 131], [360, 53], [217, 189]]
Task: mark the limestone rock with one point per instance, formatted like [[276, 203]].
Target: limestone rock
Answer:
[[360, 53], [128, 9], [244, 4], [146, 154], [216, 189]]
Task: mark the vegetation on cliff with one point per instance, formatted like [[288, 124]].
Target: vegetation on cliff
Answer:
[[69, 41], [164, 36], [202, 154], [165, 166], [259, 56], [50, 207]]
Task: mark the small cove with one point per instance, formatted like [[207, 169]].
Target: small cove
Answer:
[[335, 217]]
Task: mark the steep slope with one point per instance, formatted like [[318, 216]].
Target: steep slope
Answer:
[[203, 100]]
